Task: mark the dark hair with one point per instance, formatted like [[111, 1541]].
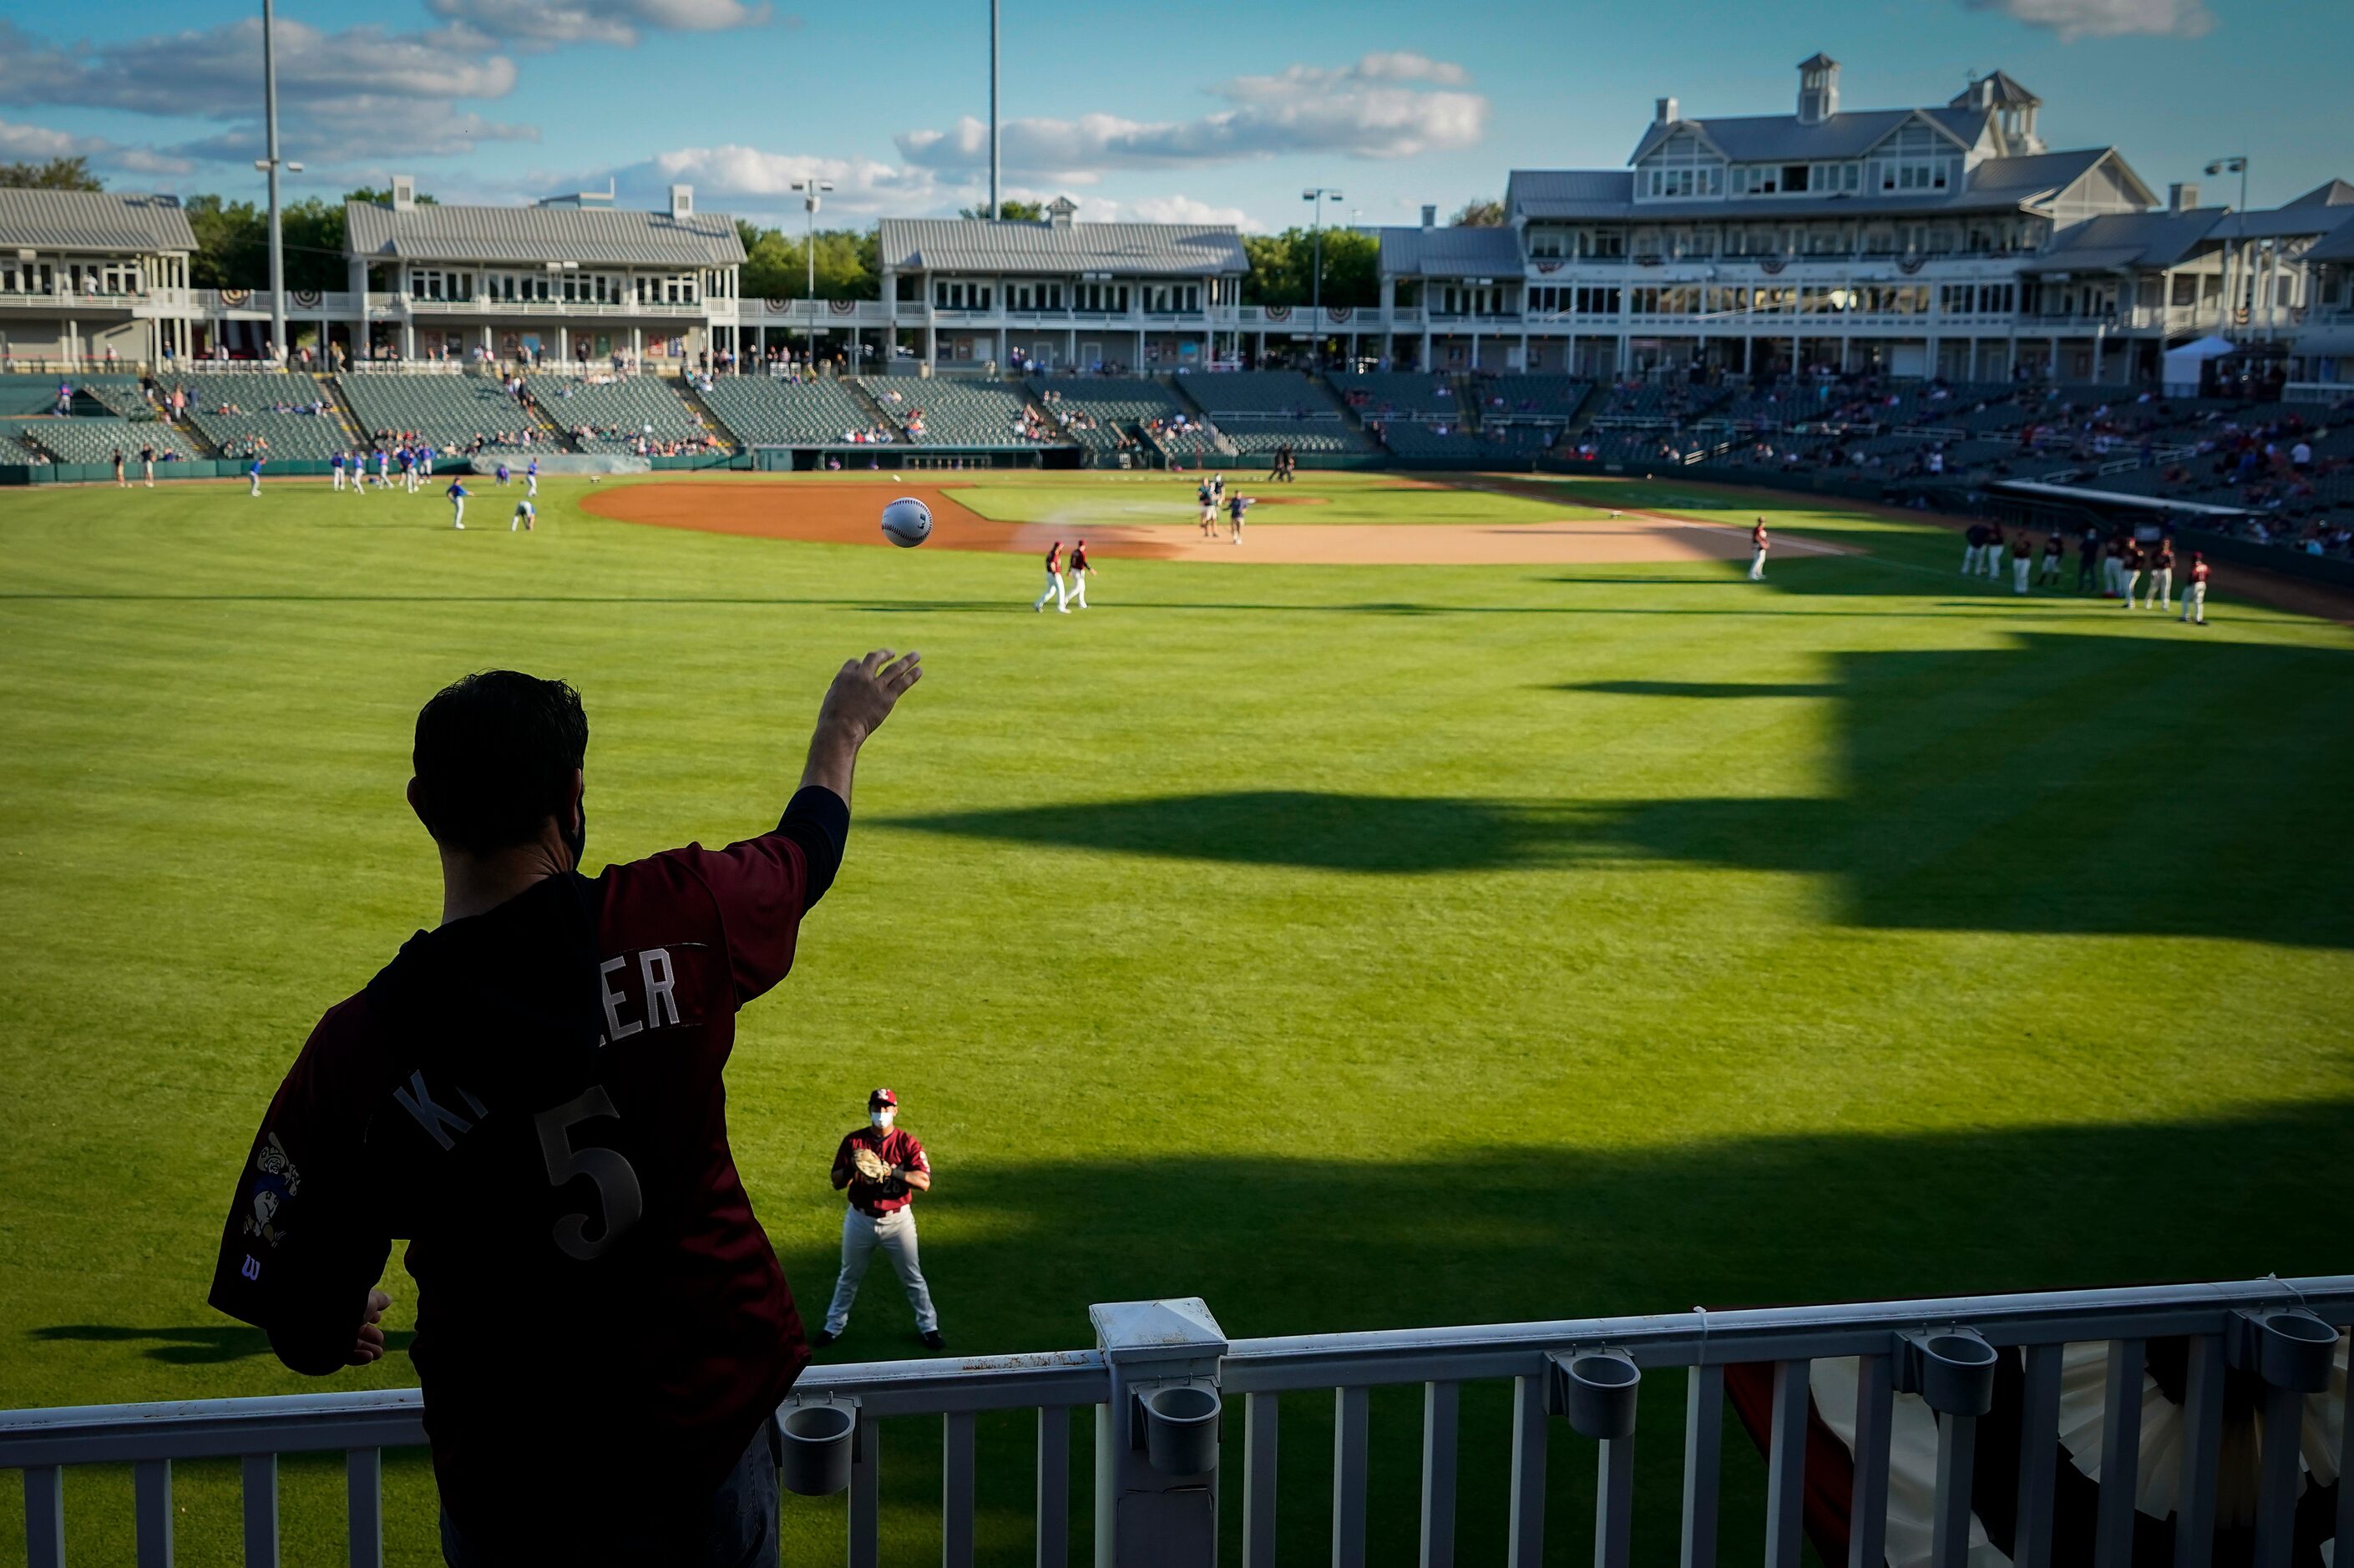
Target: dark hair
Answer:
[[494, 757]]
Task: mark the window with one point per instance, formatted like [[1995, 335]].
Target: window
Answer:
[[1795, 177], [1607, 243], [1544, 242]]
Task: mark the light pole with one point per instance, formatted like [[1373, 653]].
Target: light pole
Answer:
[[994, 212], [813, 192], [270, 166], [2237, 164], [1316, 197]]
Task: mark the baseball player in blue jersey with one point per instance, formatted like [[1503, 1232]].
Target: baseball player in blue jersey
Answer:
[[457, 494], [253, 474], [531, 479]]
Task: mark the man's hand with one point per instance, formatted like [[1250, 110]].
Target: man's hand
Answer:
[[863, 692], [860, 699], [369, 1345]]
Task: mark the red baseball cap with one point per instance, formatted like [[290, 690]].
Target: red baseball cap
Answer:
[[882, 1097]]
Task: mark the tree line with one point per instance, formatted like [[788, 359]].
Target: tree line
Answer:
[[233, 248]]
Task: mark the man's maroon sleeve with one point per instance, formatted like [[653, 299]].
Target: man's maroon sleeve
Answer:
[[304, 1241], [762, 886]]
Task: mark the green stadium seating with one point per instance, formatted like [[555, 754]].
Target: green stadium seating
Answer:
[[450, 411], [91, 440], [770, 411], [1111, 406], [1389, 395], [611, 416], [956, 413], [289, 436]]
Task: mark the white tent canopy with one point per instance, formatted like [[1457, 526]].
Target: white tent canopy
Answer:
[[2182, 366]]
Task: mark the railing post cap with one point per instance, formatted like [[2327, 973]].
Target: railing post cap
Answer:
[[1181, 1327]]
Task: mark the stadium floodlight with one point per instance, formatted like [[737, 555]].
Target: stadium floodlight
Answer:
[[2235, 163], [813, 193], [1316, 197]]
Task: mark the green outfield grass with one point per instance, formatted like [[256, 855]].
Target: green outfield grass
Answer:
[[1349, 947]]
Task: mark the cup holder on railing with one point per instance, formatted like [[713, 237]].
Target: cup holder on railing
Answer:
[[1180, 1428], [817, 1447], [1951, 1369], [1597, 1391], [2288, 1348]]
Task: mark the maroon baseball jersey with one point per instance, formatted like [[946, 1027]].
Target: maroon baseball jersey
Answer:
[[1757, 535], [1053, 560], [533, 1097], [897, 1148], [1079, 557], [2198, 572]]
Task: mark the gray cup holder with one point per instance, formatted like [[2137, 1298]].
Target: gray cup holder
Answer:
[[1180, 1430], [817, 1439]]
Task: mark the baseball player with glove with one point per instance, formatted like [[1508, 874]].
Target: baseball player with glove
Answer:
[[883, 1168]]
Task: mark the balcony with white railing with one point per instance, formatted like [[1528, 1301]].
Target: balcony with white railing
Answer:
[[1162, 1374]]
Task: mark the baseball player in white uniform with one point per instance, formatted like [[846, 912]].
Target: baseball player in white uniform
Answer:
[[882, 1169], [525, 516], [1076, 572]]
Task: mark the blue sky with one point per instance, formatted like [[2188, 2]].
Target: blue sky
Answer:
[[1215, 109]]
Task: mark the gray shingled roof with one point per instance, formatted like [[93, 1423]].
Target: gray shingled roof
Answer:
[[1779, 138], [93, 221], [1567, 193], [1462, 252], [2339, 247], [2129, 239], [2002, 89], [1996, 185], [1123, 250], [609, 237], [2321, 210]]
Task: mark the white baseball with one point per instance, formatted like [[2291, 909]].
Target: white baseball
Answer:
[[907, 522]]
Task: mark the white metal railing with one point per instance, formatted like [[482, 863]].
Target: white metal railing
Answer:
[[1161, 1370]]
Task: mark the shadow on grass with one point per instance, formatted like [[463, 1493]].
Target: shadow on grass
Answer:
[[2112, 785], [1502, 1232], [1702, 688], [193, 1345]]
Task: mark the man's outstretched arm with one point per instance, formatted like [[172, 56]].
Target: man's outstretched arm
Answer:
[[861, 698]]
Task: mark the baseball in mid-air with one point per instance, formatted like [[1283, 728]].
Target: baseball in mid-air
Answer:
[[907, 522]]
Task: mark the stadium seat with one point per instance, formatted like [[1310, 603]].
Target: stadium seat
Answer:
[[274, 413], [956, 413], [770, 411]]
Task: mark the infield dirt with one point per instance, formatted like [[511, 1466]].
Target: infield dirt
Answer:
[[849, 513]]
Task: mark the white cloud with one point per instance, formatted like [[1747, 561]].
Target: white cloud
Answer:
[[547, 22], [1185, 209], [39, 144], [1393, 105], [364, 91], [751, 180], [2074, 19]]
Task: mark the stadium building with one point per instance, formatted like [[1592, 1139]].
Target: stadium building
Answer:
[[85, 274], [1945, 240]]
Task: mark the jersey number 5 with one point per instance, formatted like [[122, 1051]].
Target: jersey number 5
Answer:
[[617, 1185]]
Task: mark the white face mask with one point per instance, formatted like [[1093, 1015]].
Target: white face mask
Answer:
[[882, 1119]]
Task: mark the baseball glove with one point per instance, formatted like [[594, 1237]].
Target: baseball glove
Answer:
[[871, 1165]]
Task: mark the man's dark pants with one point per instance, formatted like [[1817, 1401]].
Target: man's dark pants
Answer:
[[738, 1530]]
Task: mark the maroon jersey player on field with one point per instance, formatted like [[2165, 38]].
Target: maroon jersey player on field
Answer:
[[880, 1168], [531, 1095]]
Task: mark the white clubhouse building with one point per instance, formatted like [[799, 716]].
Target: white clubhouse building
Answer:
[[1945, 239]]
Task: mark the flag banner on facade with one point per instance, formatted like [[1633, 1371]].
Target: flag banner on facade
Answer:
[[778, 307], [236, 298], [1339, 313], [1770, 265], [842, 307], [1278, 312]]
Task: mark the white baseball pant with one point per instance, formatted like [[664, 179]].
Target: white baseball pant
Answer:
[[2109, 575], [531, 484], [2125, 580], [339, 479], [1756, 565], [2161, 588], [2194, 603], [894, 1232], [2019, 570], [254, 476], [1971, 559], [1053, 591], [1075, 588], [457, 512]]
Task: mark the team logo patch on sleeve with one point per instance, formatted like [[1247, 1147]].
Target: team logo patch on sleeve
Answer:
[[276, 1182]]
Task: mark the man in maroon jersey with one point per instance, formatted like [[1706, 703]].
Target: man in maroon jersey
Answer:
[[881, 1168], [531, 1095]]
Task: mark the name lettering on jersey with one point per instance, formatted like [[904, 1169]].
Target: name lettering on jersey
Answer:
[[654, 1006], [439, 1121]]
